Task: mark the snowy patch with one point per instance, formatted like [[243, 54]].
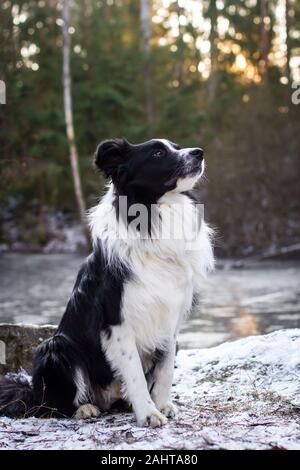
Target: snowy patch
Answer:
[[239, 395]]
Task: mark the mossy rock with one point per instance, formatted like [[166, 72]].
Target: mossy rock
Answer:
[[18, 344]]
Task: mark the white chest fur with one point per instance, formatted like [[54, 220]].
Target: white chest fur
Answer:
[[157, 298], [165, 272]]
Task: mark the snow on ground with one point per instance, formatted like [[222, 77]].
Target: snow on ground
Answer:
[[239, 395]]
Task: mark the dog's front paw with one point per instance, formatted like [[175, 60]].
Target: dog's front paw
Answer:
[[153, 419], [169, 410], [87, 411]]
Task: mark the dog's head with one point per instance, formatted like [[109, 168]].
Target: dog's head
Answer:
[[153, 167]]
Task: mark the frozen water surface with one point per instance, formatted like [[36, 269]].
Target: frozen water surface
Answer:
[[237, 300]]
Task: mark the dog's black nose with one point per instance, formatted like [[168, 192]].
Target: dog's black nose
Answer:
[[197, 152]]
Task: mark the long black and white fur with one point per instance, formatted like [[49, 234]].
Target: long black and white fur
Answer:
[[117, 337]]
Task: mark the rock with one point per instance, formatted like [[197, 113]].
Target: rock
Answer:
[[239, 395], [18, 343]]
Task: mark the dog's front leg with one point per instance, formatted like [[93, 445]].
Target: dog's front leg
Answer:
[[121, 351], [163, 377]]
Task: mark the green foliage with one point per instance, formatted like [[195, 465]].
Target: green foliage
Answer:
[[249, 132]]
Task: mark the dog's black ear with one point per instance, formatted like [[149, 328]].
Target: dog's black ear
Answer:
[[110, 154]]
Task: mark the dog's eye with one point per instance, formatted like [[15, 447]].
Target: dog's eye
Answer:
[[159, 153]]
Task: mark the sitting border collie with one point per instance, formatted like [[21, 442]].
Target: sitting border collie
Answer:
[[117, 338]]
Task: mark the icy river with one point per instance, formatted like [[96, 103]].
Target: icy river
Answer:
[[237, 300]]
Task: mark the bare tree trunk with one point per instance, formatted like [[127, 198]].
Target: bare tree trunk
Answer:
[[69, 117], [265, 44], [179, 69], [213, 38], [288, 40], [146, 30]]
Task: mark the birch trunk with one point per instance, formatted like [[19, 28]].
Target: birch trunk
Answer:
[[213, 37], [288, 40], [146, 31], [264, 10], [69, 117]]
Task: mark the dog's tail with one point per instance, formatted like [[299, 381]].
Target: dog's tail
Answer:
[[16, 395], [52, 390]]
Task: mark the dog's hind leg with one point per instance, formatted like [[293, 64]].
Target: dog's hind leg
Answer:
[[122, 353], [87, 411], [83, 398], [57, 384]]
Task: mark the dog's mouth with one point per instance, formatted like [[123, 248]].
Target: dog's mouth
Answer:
[[194, 168], [197, 167], [190, 167]]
